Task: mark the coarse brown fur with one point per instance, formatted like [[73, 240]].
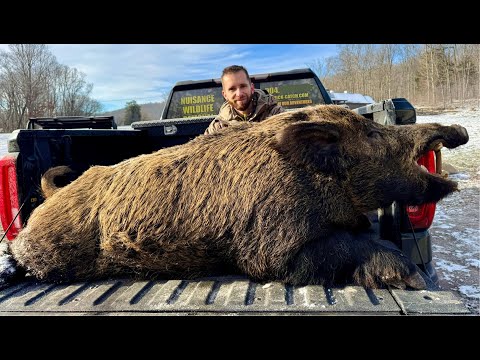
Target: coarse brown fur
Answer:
[[47, 182], [283, 200]]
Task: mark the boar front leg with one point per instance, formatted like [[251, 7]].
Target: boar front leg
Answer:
[[345, 257]]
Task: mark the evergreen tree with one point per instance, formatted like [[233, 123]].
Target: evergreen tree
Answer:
[[132, 112]]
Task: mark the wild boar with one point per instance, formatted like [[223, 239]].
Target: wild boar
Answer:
[[281, 200]]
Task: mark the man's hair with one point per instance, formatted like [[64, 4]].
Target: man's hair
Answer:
[[234, 69]]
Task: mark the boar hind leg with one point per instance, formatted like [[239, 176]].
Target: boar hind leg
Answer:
[[58, 259], [345, 257]]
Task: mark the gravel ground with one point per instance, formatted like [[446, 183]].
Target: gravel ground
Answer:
[[456, 226]]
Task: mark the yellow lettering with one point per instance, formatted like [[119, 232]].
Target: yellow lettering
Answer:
[[203, 109], [296, 102], [190, 100], [272, 90]]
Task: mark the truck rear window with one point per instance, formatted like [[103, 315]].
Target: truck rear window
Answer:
[[197, 102], [290, 94], [294, 93]]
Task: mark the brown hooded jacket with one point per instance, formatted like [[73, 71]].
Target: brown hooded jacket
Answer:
[[264, 105]]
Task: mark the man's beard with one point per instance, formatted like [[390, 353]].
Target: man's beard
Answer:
[[242, 106]]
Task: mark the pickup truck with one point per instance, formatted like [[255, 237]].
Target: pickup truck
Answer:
[[81, 142]]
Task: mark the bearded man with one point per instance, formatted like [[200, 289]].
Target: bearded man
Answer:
[[242, 101]]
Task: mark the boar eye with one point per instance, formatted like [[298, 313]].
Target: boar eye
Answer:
[[374, 135]]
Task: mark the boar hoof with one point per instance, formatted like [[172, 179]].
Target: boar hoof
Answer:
[[387, 267], [415, 281]]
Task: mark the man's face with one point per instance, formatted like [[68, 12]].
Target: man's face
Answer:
[[237, 90]]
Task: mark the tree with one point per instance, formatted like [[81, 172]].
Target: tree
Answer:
[[24, 73], [133, 112], [425, 74], [72, 93], [34, 84]]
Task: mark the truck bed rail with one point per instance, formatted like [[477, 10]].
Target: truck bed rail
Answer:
[[73, 122]]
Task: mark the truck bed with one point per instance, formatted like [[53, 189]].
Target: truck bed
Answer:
[[226, 295], [230, 295]]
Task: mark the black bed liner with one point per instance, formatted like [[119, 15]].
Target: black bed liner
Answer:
[[219, 296]]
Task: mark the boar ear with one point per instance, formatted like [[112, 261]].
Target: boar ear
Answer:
[[310, 144]]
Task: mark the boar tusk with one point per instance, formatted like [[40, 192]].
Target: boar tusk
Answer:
[[438, 160]]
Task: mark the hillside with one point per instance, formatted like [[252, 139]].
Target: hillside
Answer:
[[150, 111]]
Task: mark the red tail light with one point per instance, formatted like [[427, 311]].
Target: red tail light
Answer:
[[421, 216], [9, 205]]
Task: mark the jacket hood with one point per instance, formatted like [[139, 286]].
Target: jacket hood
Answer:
[[263, 103]]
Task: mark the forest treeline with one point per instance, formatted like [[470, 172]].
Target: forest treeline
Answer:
[[34, 84], [427, 75]]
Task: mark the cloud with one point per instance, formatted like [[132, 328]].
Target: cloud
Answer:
[[139, 72], [146, 72]]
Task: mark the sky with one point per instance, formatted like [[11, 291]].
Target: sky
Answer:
[[146, 72]]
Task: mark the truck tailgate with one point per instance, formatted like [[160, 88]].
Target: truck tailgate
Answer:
[[219, 296]]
